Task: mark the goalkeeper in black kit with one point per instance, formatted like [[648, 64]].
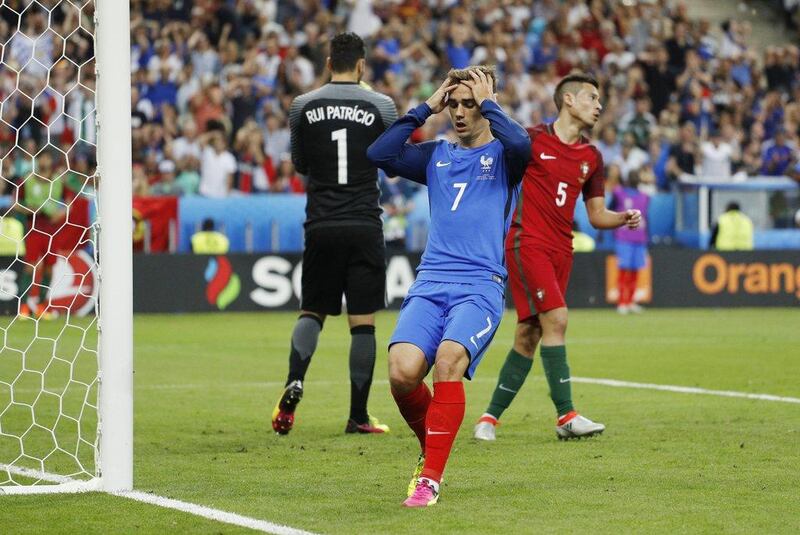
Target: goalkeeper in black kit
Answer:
[[331, 128]]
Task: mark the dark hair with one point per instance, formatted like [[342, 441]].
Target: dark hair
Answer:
[[208, 224], [572, 84], [346, 50], [634, 179], [733, 205]]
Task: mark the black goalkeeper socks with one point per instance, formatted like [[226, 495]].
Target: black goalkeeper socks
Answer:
[[304, 342], [362, 365]]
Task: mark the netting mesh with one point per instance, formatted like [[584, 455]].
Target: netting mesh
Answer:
[[48, 249]]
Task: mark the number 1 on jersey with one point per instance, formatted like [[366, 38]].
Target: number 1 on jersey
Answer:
[[461, 186], [340, 137], [561, 194]]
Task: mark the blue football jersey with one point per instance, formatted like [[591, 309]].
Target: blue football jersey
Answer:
[[472, 192], [471, 200]]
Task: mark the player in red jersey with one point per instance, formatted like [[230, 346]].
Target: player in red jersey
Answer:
[[539, 251]]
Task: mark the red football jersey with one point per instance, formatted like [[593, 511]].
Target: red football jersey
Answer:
[[554, 177]]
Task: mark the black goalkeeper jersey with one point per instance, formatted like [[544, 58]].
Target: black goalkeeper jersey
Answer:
[[331, 128]]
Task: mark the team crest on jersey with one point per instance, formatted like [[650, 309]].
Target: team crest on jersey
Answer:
[[486, 167], [584, 171]]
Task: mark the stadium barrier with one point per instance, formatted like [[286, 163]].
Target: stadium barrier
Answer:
[[252, 282], [769, 201], [674, 278]]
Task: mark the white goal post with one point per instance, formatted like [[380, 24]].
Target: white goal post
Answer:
[[91, 356]]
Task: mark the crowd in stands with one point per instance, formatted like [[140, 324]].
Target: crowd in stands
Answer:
[[212, 81]]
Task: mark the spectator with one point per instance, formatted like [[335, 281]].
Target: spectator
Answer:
[[683, 155], [618, 55], [609, 146], [717, 157], [217, 166], [276, 137], [613, 176], [166, 184], [163, 90], [255, 170], [660, 79], [164, 60], [208, 105], [286, 179], [186, 149], [640, 122], [632, 157], [677, 46], [205, 60], [459, 49], [777, 155], [189, 178]]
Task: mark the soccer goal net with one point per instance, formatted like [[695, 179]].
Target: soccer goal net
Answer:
[[65, 358]]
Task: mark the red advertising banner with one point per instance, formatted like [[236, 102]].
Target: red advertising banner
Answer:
[[153, 217]]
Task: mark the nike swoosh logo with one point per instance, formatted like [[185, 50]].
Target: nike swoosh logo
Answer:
[[442, 164], [484, 331], [438, 432], [544, 156], [501, 387], [564, 380]]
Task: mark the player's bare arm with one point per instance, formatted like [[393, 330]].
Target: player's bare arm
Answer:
[[602, 218]]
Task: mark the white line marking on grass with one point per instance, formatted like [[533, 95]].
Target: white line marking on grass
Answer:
[[684, 389], [587, 380], [152, 499], [198, 510], [212, 514]]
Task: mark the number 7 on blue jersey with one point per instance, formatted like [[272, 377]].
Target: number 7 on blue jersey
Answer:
[[461, 187]]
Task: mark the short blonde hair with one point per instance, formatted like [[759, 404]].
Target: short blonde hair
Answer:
[[462, 75]]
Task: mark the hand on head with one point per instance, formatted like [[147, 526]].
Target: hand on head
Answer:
[[438, 100], [481, 86]]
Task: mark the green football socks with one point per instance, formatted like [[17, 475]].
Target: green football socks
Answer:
[[25, 280], [512, 377], [554, 362]]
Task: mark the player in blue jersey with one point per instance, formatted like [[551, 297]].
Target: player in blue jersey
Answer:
[[456, 303]]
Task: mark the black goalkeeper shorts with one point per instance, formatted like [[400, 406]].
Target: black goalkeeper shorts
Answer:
[[344, 260]]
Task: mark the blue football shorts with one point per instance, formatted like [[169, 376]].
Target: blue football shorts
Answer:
[[632, 256], [467, 313]]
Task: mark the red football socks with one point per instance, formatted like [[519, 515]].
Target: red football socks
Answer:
[[414, 406], [445, 415], [626, 283]]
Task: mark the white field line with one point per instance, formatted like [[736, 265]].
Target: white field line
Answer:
[[212, 514], [685, 389], [588, 380], [66, 484]]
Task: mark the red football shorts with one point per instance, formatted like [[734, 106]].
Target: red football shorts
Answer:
[[38, 247], [538, 279]]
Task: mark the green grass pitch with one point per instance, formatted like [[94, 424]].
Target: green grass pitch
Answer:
[[205, 386]]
